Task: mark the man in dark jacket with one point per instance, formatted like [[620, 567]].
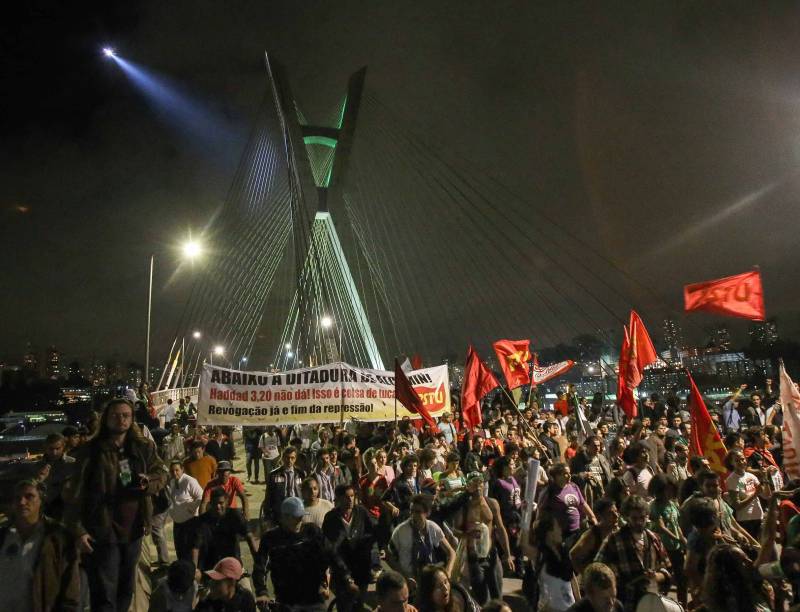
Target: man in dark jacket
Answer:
[[38, 558], [351, 535], [282, 482], [295, 556], [591, 470], [118, 473]]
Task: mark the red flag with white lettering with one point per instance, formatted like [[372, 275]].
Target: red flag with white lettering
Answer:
[[741, 296]]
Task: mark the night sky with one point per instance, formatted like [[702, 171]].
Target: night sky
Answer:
[[668, 138]]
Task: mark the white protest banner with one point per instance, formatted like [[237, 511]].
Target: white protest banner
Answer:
[[324, 394], [543, 374], [790, 400], [531, 483]]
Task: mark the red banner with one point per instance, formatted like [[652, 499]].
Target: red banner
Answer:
[[737, 296], [514, 356]]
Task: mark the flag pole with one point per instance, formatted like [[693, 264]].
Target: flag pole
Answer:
[[532, 386], [395, 396]]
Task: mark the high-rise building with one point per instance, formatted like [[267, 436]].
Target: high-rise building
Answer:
[[99, 374], [30, 361], [764, 333], [721, 337], [673, 339], [53, 363]]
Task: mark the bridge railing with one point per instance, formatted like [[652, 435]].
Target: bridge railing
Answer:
[[160, 397]]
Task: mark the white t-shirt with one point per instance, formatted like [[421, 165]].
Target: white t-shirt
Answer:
[[169, 413], [746, 485], [638, 483], [268, 443], [185, 496], [316, 514], [402, 542]]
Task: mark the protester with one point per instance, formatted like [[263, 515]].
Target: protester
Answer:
[[316, 507], [391, 590], [636, 554], [178, 592], [287, 548], [216, 533], [118, 473], [200, 466], [54, 470], [185, 495], [480, 524], [252, 450], [231, 485], [564, 499], [38, 557], [269, 444], [585, 549], [600, 588], [282, 482], [172, 446], [417, 542], [351, 535], [552, 565], [225, 593], [438, 594]]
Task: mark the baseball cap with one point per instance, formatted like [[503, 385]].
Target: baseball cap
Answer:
[[229, 567], [224, 465], [293, 506], [474, 476]]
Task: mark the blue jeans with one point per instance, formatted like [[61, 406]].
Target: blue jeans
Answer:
[[111, 569]]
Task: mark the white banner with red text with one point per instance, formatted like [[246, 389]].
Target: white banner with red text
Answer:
[[325, 394]]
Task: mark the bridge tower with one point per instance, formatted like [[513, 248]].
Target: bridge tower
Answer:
[[327, 321]]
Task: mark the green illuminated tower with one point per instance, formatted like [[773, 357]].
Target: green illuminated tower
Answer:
[[327, 321]]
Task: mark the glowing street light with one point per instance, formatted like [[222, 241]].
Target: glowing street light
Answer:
[[192, 249], [219, 350], [326, 322], [290, 354], [109, 52], [287, 346], [196, 334]]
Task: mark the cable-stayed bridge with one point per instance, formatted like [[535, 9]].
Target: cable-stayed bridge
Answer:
[[353, 237]]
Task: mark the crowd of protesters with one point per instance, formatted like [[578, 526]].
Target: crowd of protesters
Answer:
[[402, 516]]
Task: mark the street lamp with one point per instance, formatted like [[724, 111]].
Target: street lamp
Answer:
[[191, 249], [196, 335], [219, 351], [327, 322]]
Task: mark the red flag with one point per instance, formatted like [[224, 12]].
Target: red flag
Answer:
[[416, 361], [637, 352], [642, 352], [738, 296], [408, 396], [705, 440], [514, 356], [478, 381]]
